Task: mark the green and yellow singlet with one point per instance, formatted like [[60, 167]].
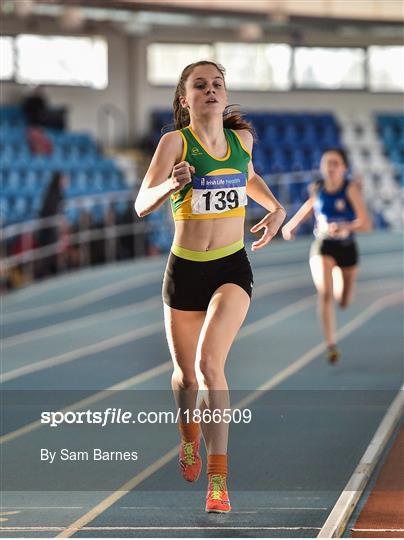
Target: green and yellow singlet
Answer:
[[218, 187]]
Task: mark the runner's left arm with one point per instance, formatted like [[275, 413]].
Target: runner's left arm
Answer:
[[258, 190], [363, 222]]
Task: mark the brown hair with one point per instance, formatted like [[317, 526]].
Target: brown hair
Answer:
[[232, 118], [340, 151]]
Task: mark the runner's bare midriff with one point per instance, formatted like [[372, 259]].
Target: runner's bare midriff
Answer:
[[208, 234]]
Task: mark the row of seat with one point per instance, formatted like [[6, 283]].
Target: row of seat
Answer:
[[76, 186], [18, 143], [18, 209], [11, 116], [25, 176], [51, 162], [164, 117], [395, 120], [285, 141], [391, 132]]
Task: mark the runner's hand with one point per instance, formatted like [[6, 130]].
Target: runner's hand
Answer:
[[181, 176], [338, 230], [288, 233], [271, 224]]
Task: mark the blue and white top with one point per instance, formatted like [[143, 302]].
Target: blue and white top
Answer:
[[332, 207]]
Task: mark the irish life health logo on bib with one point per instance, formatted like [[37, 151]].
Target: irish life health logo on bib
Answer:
[[218, 191]]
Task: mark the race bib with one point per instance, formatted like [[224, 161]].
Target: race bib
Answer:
[[218, 193]]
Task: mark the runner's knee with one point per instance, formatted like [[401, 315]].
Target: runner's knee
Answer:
[[325, 296], [210, 368], [185, 379]]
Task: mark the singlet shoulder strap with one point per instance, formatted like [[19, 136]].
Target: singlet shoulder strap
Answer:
[[184, 144]]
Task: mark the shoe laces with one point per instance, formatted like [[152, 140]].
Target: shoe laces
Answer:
[[217, 487], [189, 457]]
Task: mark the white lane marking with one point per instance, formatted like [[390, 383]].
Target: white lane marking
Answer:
[[276, 317], [297, 365], [336, 522], [276, 249], [292, 309], [64, 281], [108, 290], [78, 353], [23, 314], [98, 396], [133, 335], [44, 507], [78, 323], [82, 299], [2, 519], [160, 529], [256, 508], [154, 301], [62, 327], [118, 494], [136, 265], [87, 350], [377, 530], [162, 368]]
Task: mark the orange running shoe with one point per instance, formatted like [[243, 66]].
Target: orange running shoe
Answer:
[[217, 499], [190, 460], [333, 354]]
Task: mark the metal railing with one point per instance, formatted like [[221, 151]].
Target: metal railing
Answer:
[[109, 233]]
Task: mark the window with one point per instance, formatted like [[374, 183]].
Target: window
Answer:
[[7, 58], [74, 61], [328, 68], [165, 61], [386, 69], [255, 66]]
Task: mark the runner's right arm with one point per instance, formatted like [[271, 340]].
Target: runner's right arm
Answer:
[[164, 176], [288, 230]]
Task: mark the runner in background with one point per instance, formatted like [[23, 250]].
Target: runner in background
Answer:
[[339, 212]]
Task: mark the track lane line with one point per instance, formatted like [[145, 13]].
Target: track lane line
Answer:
[[109, 290], [133, 335], [303, 360], [255, 326], [152, 303], [208, 528], [337, 521], [83, 299]]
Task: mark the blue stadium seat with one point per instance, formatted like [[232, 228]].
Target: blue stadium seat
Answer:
[[4, 209], [20, 209], [72, 214]]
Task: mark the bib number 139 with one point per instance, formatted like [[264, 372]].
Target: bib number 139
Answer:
[[220, 200], [218, 193]]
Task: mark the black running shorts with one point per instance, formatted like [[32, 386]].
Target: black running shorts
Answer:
[[189, 285], [344, 252]]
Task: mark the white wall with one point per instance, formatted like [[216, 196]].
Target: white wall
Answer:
[[151, 98], [129, 91], [85, 104]]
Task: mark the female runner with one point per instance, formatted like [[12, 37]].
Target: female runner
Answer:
[[339, 212], [205, 169]]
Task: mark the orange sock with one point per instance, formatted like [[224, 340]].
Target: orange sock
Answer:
[[217, 464], [190, 431]]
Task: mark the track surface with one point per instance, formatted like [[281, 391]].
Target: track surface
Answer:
[[311, 422]]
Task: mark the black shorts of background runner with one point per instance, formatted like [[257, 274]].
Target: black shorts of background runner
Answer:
[[190, 285], [344, 252]]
